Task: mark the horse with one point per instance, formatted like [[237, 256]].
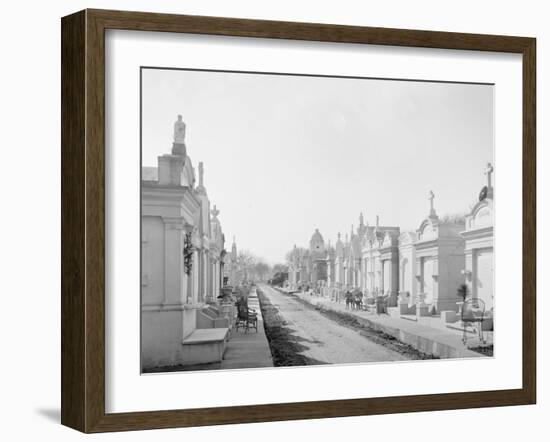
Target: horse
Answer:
[[358, 300], [349, 299]]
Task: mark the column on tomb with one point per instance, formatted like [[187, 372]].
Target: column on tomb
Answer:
[[378, 274], [365, 274], [217, 265], [211, 279], [469, 267], [435, 280], [394, 278], [174, 281], [419, 266], [203, 275], [196, 276]]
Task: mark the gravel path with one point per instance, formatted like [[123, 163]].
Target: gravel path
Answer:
[[324, 340]]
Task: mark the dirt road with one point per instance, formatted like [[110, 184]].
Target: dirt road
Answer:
[[321, 340]]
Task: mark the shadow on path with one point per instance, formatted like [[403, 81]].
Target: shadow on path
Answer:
[[286, 347]]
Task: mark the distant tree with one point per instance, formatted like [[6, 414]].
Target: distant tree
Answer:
[[261, 270], [251, 267], [279, 278], [455, 218], [300, 251], [245, 263], [278, 268]]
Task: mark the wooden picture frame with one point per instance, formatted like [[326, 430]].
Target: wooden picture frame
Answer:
[[83, 220]]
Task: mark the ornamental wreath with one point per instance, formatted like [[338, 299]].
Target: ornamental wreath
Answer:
[[188, 250]]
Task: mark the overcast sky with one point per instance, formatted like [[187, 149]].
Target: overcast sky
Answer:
[[284, 155]]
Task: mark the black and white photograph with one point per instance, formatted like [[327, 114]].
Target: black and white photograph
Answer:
[[297, 220], [275, 221]]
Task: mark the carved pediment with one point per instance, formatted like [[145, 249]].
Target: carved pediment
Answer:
[[481, 215], [407, 238], [427, 231]]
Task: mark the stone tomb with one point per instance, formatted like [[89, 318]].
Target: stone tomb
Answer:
[[389, 265], [439, 251], [181, 248], [478, 236], [407, 273]]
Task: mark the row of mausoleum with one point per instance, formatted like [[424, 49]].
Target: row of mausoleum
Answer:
[[182, 260], [421, 270]]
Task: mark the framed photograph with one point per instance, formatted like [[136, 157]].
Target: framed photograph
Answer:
[[266, 220]]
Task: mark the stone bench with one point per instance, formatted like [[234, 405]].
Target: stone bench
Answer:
[[211, 318], [448, 316], [205, 345]]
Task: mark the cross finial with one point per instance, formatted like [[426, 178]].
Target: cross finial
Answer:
[[489, 172], [215, 212]]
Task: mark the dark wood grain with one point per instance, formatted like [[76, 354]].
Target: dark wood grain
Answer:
[[83, 219], [73, 349], [529, 221]]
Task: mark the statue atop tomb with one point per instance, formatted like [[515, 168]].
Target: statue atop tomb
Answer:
[[431, 198], [178, 148], [179, 131]]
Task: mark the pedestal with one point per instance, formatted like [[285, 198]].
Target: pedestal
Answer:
[[179, 149], [422, 309], [403, 303]]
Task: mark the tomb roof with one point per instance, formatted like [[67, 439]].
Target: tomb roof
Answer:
[[149, 173]]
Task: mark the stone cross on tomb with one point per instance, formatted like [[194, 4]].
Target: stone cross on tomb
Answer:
[[489, 173], [215, 212]]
